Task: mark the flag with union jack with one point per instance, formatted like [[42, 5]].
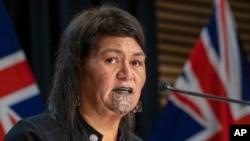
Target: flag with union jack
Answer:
[[19, 94], [217, 65]]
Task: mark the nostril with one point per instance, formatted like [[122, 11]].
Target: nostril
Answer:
[[121, 75], [124, 74]]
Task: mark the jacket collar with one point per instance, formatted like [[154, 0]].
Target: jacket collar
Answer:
[[92, 133]]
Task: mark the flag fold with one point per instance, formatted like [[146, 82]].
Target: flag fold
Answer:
[[19, 93], [217, 65]]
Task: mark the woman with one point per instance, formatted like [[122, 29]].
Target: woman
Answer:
[[99, 74]]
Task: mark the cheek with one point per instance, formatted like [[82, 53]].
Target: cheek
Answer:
[[105, 76], [141, 78], [140, 82], [97, 72], [104, 80]]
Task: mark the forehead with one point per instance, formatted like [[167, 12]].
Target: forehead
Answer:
[[122, 44]]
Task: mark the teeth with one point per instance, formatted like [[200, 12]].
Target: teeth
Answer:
[[124, 90]]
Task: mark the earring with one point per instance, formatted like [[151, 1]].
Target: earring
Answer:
[[138, 107]]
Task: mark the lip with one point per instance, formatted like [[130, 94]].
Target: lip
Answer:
[[123, 90]]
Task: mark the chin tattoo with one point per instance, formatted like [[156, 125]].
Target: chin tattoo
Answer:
[[121, 103]]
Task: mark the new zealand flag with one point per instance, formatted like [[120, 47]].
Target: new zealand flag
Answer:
[[217, 65], [19, 94]]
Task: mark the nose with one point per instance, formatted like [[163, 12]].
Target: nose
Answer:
[[125, 72]]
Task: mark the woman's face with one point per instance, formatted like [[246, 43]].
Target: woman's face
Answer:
[[113, 76]]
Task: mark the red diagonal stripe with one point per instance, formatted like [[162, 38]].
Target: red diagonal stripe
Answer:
[[12, 119], [2, 133], [211, 83], [15, 78], [190, 104]]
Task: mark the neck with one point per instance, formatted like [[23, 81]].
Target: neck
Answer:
[[107, 124]]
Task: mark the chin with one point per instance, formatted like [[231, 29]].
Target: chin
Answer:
[[122, 112]]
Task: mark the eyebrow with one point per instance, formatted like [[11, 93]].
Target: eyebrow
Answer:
[[139, 53]]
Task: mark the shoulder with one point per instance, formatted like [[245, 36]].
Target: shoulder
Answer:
[[135, 138], [36, 128]]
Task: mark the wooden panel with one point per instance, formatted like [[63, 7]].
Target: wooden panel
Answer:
[[179, 23]]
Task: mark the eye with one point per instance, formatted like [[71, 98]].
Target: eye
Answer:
[[112, 60], [136, 63]]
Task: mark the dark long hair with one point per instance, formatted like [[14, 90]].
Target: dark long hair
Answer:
[[78, 40]]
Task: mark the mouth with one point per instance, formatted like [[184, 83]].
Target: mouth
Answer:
[[123, 90]]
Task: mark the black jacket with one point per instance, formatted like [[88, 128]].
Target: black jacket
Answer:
[[44, 128]]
